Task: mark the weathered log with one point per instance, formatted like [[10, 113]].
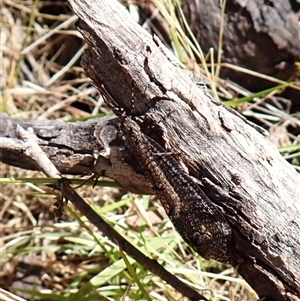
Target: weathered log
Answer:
[[242, 173], [262, 36], [240, 170], [92, 147]]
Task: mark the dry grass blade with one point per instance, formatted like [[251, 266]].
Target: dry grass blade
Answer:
[[7, 296]]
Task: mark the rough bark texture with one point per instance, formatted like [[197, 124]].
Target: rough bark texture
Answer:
[[78, 149], [263, 36], [239, 169]]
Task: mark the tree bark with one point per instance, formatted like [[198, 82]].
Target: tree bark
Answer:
[[92, 147], [262, 36], [241, 172]]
